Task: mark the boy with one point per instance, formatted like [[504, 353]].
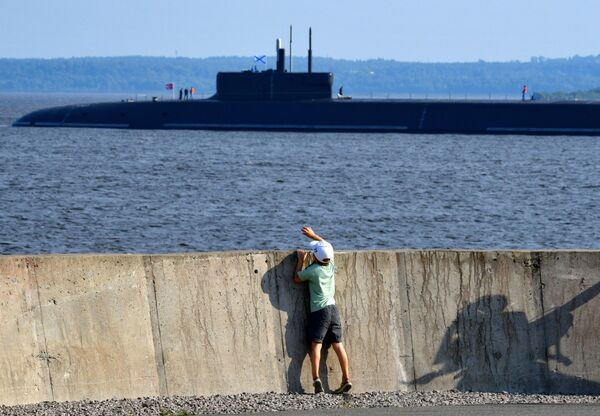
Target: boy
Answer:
[[324, 324]]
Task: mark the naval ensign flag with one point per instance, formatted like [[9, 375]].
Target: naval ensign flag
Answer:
[[171, 86]]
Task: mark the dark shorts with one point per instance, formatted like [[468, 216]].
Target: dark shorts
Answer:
[[325, 325]]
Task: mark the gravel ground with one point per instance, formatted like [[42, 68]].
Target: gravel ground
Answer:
[[242, 403]]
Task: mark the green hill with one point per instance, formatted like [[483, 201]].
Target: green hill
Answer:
[[379, 76], [593, 94]]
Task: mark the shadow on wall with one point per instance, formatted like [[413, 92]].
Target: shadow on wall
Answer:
[[292, 301], [491, 349]]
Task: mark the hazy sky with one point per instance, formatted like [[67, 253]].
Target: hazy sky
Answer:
[[407, 30]]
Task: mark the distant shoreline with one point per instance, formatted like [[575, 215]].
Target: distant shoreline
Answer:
[[130, 75]]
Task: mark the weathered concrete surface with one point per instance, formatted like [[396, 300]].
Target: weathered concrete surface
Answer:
[[24, 374], [96, 325], [218, 329], [74, 327], [95, 318], [570, 287], [433, 285], [373, 302], [101, 326], [469, 317]]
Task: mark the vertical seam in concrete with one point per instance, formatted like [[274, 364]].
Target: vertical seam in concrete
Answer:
[[538, 259], [271, 266], [412, 344], [47, 355], [460, 297], [162, 351], [155, 325]]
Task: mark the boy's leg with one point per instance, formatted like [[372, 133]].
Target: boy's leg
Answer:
[[335, 335], [317, 329], [340, 351], [315, 358]]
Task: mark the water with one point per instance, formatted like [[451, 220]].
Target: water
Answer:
[[93, 190]]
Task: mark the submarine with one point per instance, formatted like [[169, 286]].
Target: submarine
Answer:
[[282, 100]]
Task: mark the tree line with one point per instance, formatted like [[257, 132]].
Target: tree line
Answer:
[[361, 77]]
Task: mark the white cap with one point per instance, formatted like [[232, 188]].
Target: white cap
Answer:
[[322, 250]]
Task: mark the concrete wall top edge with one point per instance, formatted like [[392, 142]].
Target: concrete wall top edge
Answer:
[[342, 251]]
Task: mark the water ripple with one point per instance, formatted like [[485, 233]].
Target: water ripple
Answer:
[[92, 190]]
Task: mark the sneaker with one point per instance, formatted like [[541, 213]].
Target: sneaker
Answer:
[[318, 386], [344, 387]]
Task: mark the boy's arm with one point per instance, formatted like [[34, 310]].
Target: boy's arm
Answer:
[[300, 256], [307, 231]]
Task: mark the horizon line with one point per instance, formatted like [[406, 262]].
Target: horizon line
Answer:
[[301, 57]]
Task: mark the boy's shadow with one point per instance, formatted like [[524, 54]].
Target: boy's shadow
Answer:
[[293, 299], [521, 360]]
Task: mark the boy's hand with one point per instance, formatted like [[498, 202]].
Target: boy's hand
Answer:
[[300, 256], [307, 231]]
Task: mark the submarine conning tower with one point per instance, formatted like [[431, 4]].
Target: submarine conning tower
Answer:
[[277, 84]]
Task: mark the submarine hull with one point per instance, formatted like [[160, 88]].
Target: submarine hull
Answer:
[[355, 115]]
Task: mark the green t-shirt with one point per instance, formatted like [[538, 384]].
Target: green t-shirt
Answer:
[[321, 284]]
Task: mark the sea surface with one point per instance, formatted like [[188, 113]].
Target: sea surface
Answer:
[[126, 191]]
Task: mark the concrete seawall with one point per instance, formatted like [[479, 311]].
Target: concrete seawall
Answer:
[[101, 326]]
